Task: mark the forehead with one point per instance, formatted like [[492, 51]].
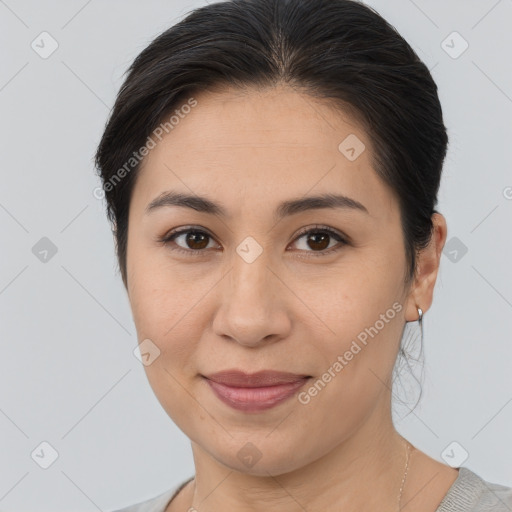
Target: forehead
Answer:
[[269, 143], [268, 116]]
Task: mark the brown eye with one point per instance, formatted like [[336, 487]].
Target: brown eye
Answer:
[[192, 240], [318, 241]]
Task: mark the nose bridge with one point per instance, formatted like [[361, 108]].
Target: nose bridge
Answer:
[[249, 279], [248, 311]]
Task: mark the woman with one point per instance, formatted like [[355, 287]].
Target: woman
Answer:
[[271, 169]]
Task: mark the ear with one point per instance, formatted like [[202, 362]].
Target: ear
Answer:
[[427, 267]]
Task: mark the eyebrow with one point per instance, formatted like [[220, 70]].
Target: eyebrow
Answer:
[[286, 208]]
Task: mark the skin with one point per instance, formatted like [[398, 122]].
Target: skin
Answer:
[[249, 151]]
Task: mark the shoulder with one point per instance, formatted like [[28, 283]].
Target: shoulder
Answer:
[[471, 493], [156, 504]]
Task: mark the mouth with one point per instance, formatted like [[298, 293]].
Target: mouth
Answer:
[[254, 392]]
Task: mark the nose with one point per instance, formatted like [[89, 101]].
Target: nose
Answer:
[[253, 307]]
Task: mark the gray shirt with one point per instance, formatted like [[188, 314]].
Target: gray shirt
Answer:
[[468, 493]]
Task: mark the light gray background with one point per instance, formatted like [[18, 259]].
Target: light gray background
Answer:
[[68, 375]]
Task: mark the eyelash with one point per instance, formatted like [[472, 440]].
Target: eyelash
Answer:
[[169, 238]]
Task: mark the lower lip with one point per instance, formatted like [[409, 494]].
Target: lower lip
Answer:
[[255, 399]]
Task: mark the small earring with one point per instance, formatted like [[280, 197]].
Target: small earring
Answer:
[[420, 321]]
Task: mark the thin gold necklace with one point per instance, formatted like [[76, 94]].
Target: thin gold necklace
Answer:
[[407, 447]]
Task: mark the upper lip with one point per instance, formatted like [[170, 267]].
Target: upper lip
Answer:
[[241, 379]]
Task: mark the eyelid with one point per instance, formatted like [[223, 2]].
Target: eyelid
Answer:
[[319, 227]]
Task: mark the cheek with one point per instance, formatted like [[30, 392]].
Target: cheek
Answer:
[[165, 316], [167, 310], [157, 305], [356, 370], [352, 299], [360, 328], [155, 288]]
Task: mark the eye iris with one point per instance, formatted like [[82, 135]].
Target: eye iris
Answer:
[[191, 236], [325, 237]]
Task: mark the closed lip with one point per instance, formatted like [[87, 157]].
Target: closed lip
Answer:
[[263, 378]]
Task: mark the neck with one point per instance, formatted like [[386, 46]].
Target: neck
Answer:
[[364, 472]]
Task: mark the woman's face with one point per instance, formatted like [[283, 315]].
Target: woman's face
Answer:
[[252, 291]]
